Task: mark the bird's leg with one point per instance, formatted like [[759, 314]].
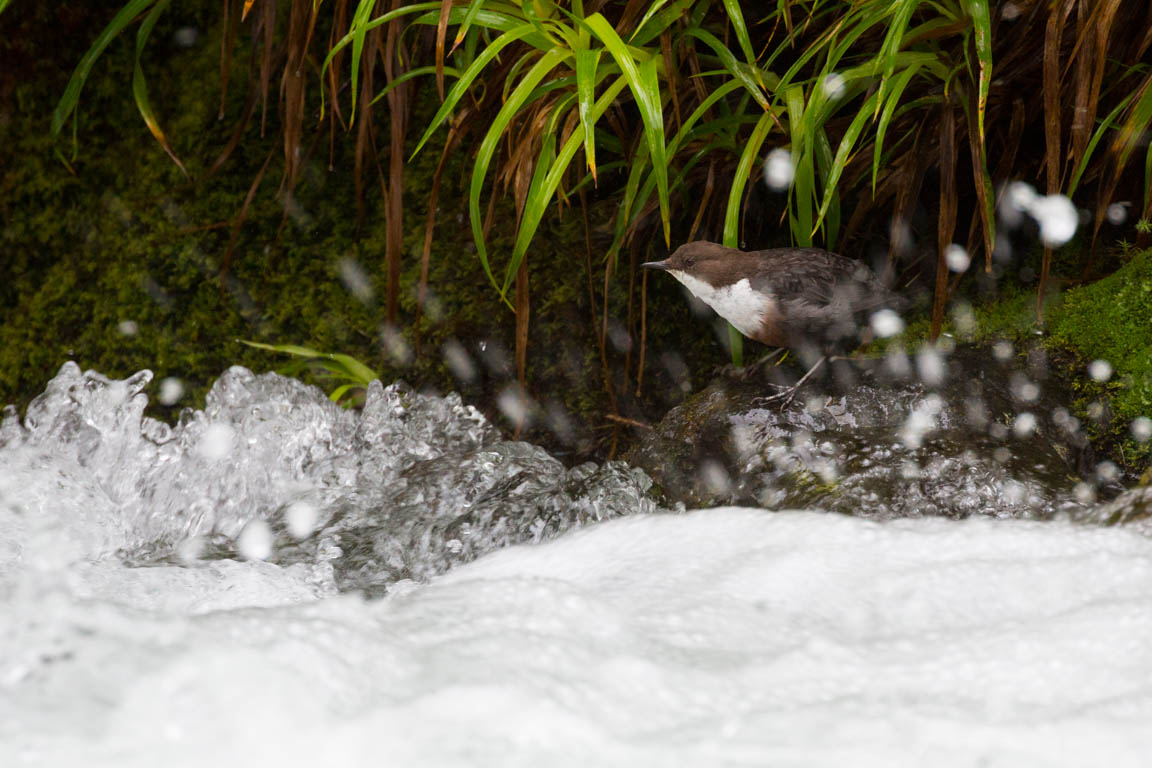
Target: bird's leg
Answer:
[[785, 395], [748, 372]]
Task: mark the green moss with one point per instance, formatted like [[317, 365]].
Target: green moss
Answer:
[[1111, 320]]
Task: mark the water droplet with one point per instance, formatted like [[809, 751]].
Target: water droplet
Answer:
[[216, 442], [171, 390], [1025, 424], [301, 518], [255, 541], [1141, 429], [1118, 213], [956, 258], [355, 279], [886, 323], [458, 360], [1002, 351], [779, 169], [1107, 472], [930, 366], [1057, 218], [128, 328], [1100, 370], [833, 85]]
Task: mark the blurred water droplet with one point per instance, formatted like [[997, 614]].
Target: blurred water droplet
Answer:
[[171, 390], [1024, 389], [1057, 218], [190, 550], [1100, 370], [886, 323], [255, 541], [216, 442], [355, 279], [1002, 454], [779, 169], [897, 364], [1025, 424], [956, 258], [997, 430], [714, 477], [1141, 429], [964, 318], [1095, 410], [458, 360], [1084, 493], [1107, 472], [396, 346], [1002, 351], [515, 405], [930, 366], [1118, 213], [186, 37], [301, 518], [128, 328], [832, 84]]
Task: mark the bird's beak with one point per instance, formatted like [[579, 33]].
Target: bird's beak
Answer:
[[662, 265]]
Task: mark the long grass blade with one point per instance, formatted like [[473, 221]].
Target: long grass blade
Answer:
[[518, 98], [643, 82], [469, 76], [140, 85], [982, 37], [732, 213], [71, 96], [586, 61]]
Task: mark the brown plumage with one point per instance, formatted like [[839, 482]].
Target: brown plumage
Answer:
[[785, 297]]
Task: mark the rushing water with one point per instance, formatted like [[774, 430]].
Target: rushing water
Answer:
[[280, 580]]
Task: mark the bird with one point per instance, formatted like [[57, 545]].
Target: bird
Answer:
[[809, 300]]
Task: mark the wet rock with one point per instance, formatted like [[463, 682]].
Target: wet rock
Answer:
[[991, 438]]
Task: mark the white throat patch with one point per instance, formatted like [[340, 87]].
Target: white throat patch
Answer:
[[736, 303]]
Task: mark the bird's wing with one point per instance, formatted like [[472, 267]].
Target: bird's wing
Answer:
[[810, 275]]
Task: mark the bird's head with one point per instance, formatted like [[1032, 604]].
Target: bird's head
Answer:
[[711, 263]]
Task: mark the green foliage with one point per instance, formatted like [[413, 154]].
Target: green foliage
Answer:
[[352, 374], [1110, 320]]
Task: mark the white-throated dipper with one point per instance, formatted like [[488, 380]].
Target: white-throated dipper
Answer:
[[805, 299]]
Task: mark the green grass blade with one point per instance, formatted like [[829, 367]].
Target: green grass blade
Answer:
[[71, 96], [898, 85], [1096, 137], [824, 168], [140, 85], [736, 19], [844, 151], [534, 207], [732, 65], [586, 61], [470, 75], [469, 19], [892, 40], [544, 163], [982, 29], [417, 72], [740, 180], [732, 213], [643, 82], [359, 32], [512, 106], [654, 23]]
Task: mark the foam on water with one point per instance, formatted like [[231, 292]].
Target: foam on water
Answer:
[[723, 637]]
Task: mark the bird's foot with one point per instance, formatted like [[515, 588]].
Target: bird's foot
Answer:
[[782, 398]]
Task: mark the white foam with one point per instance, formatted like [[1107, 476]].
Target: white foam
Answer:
[[723, 637]]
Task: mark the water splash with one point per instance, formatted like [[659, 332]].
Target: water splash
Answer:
[[405, 489]]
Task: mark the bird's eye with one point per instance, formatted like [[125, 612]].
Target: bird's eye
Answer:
[[689, 262]]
